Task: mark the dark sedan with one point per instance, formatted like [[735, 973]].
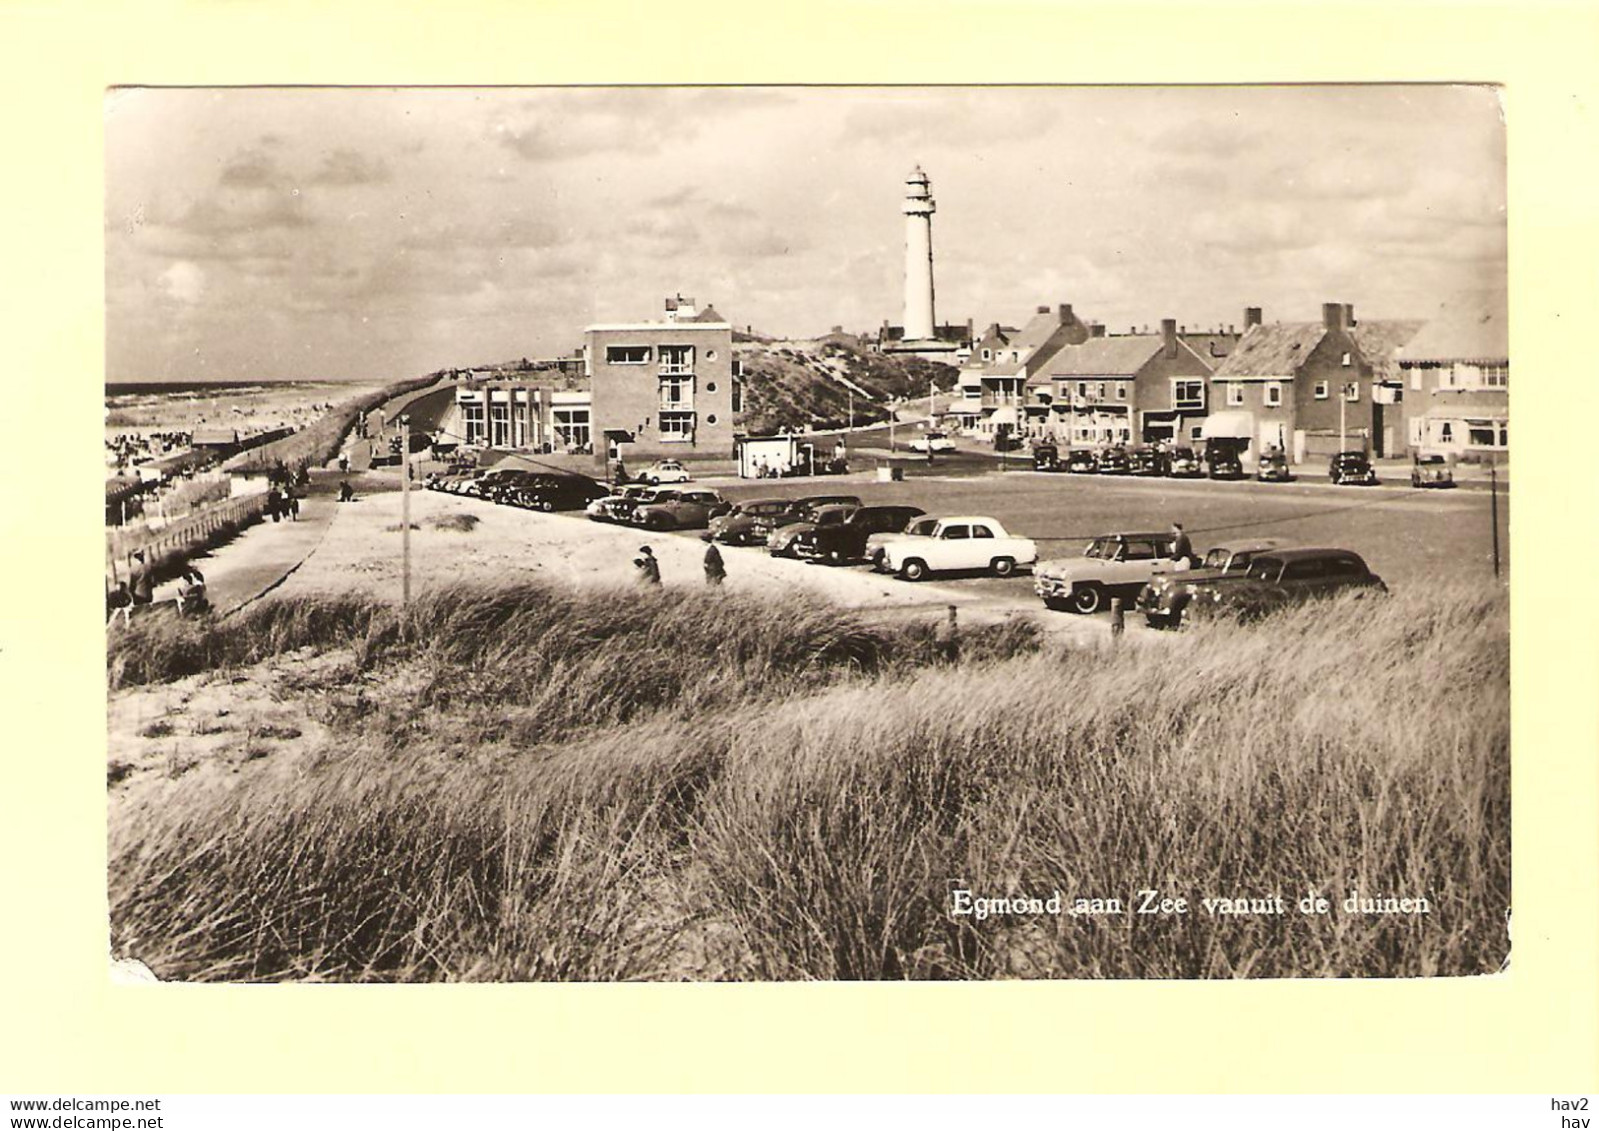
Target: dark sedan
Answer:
[[1282, 578], [846, 541], [1274, 469], [747, 524], [1225, 465], [1183, 463], [1081, 461], [1352, 468], [555, 493], [1113, 461]]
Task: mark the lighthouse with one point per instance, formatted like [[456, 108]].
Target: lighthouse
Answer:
[[918, 209], [920, 332]]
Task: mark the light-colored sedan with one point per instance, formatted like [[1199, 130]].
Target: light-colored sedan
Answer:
[[933, 442], [955, 544], [666, 471], [1112, 565]]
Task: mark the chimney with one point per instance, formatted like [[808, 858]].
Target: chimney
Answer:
[[1168, 336], [1251, 317], [1132, 329], [1335, 316], [837, 330], [1230, 329], [1065, 313], [1096, 329], [1043, 310], [1349, 314]]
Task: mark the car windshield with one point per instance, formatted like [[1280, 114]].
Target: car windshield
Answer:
[[1431, 460], [922, 526], [1099, 548], [1217, 559]]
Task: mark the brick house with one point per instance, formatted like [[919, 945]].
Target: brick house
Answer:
[[1001, 379], [1455, 374], [663, 389], [1309, 388]]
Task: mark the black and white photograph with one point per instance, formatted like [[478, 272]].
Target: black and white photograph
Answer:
[[807, 533]]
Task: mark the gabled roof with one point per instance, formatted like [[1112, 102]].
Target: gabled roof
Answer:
[[1459, 335], [1026, 342], [1379, 340], [1212, 347], [1272, 351], [1104, 357]]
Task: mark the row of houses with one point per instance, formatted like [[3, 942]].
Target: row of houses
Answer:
[[1303, 388]]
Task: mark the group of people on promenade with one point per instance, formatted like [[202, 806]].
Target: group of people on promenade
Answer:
[[138, 590]]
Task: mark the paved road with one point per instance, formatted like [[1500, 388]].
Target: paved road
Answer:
[[257, 560]]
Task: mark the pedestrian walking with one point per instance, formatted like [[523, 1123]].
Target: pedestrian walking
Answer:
[[294, 506], [344, 463], [946, 638], [649, 570], [191, 592], [346, 492], [1182, 550], [715, 571], [274, 503]]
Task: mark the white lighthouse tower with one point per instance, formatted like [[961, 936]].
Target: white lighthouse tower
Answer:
[[920, 335]]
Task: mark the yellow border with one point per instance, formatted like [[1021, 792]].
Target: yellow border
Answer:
[[65, 1028]]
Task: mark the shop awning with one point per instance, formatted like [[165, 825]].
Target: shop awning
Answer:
[[1475, 413], [1004, 415], [1228, 426]]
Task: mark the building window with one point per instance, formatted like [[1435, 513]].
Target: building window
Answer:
[[1323, 390], [500, 425], [571, 427], [1188, 394], [1352, 392], [1274, 394], [472, 418], [1346, 360], [710, 355], [1099, 390], [627, 355], [988, 354], [676, 360], [677, 426], [710, 386], [1446, 433], [738, 396], [1480, 433], [711, 419], [1082, 390], [1415, 380], [1196, 432], [1504, 434], [1121, 390], [1495, 376], [677, 393], [1235, 395]]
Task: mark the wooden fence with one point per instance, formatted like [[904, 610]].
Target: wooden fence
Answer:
[[181, 535]]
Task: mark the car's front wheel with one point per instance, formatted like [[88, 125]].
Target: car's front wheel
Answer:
[[1087, 598], [914, 569], [1003, 567], [546, 505]]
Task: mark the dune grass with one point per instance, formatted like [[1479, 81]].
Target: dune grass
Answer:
[[576, 786]]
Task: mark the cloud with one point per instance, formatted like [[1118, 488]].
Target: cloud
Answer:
[[252, 169], [183, 281], [351, 167]]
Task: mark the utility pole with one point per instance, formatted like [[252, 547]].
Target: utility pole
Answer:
[[1493, 507], [405, 509], [892, 415], [851, 429], [931, 388]]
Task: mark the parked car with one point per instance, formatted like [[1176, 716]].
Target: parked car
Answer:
[[1273, 468], [1431, 469], [1146, 462], [1184, 463], [1167, 595], [781, 542], [666, 471], [617, 506], [1352, 468], [684, 510], [1081, 461], [933, 442], [802, 508], [957, 543], [1046, 457], [917, 528], [747, 523], [1112, 565], [1113, 461], [557, 493], [1283, 577], [1225, 465], [846, 541]]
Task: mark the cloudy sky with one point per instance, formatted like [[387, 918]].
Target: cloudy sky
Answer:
[[386, 233]]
